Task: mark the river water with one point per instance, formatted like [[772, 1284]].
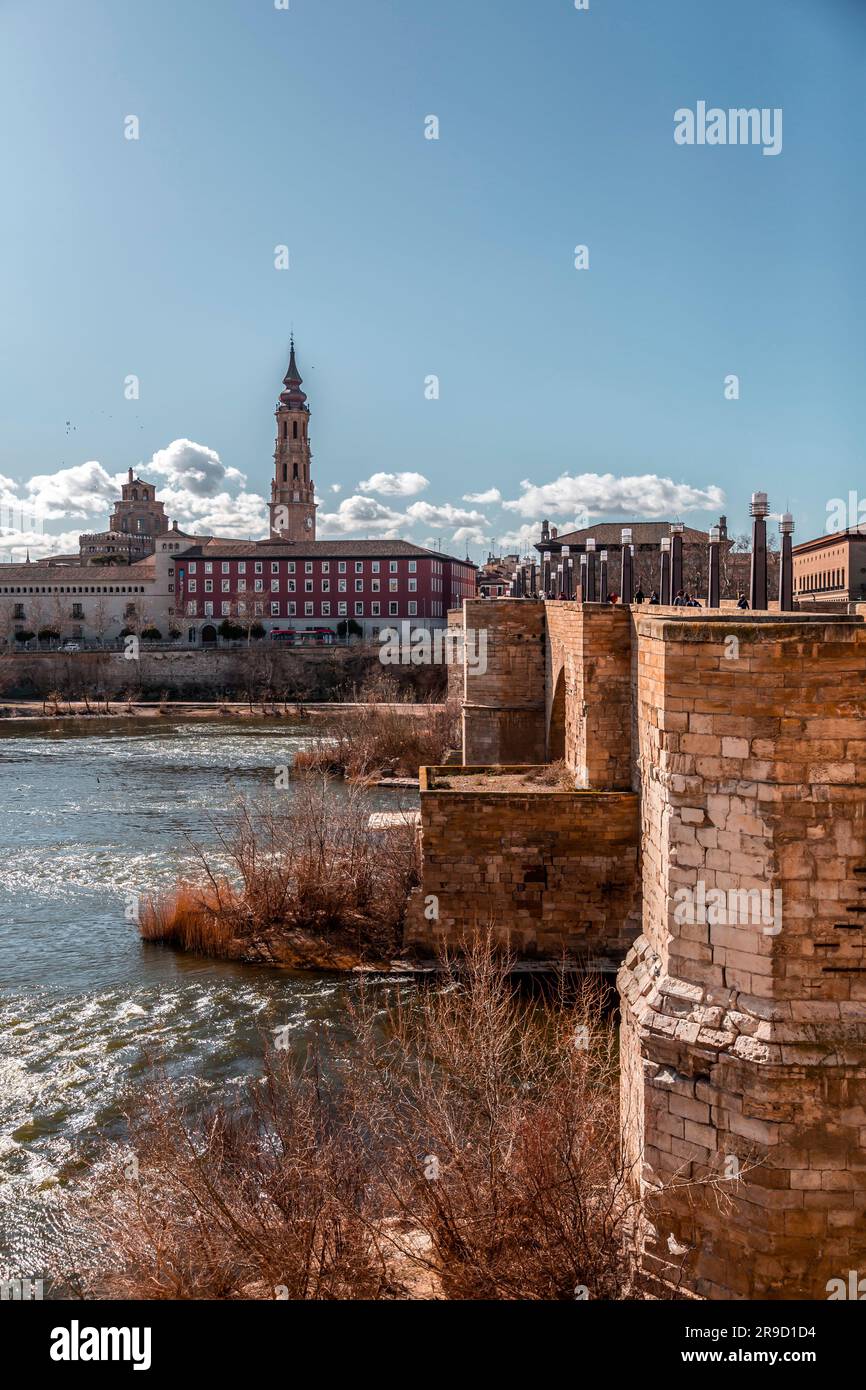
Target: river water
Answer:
[[92, 814]]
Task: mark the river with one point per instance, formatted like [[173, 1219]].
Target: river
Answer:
[[92, 814]]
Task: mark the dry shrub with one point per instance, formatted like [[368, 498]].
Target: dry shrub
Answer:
[[467, 1147], [379, 738], [315, 866]]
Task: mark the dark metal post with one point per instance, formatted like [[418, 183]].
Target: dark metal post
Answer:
[[602, 573], [533, 580], [758, 575], [676, 558], [545, 572], [583, 579], [665, 574], [713, 584], [627, 569], [786, 567], [590, 571], [567, 589]]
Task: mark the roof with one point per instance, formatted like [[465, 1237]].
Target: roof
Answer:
[[90, 575], [853, 533], [308, 550], [609, 533]]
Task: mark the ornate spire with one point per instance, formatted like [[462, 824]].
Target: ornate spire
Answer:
[[293, 396]]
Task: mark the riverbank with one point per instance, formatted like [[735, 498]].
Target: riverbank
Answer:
[[24, 711]]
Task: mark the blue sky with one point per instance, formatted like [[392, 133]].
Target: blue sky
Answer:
[[412, 257]]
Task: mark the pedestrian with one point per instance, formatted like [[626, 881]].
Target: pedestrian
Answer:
[[639, 595], [654, 598], [742, 601], [680, 601]]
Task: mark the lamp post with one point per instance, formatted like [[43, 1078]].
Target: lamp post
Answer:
[[758, 572], [786, 568], [627, 572], [677, 529], [665, 575], [533, 580], [590, 570], [602, 575], [567, 589], [583, 569], [713, 586], [545, 572]]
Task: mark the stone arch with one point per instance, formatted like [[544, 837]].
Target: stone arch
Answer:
[[209, 633], [556, 721]]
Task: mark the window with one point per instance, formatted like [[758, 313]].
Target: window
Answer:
[[225, 586], [275, 610], [226, 567], [242, 610], [341, 567], [291, 567], [77, 611], [326, 586], [392, 566], [342, 609], [326, 567], [413, 566], [275, 586], [258, 566], [392, 609], [393, 585], [242, 566], [413, 609], [192, 608], [308, 610], [359, 610], [192, 584], [292, 609], [275, 566], [308, 586], [225, 609], [242, 584], [359, 566], [326, 610], [292, 585], [341, 586], [359, 586], [308, 567], [375, 585], [374, 609], [259, 609], [208, 610], [192, 566], [208, 567], [375, 566], [413, 586], [259, 585], [208, 586]]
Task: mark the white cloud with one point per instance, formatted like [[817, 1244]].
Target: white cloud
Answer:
[[472, 535], [15, 544], [336, 487], [605, 494], [76, 493], [362, 516], [192, 468], [491, 495], [395, 484], [444, 515]]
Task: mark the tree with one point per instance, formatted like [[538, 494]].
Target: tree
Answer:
[[349, 626]]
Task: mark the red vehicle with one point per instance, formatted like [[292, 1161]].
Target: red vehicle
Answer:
[[282, 634]]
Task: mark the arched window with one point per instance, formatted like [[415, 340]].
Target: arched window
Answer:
[[285, 429]]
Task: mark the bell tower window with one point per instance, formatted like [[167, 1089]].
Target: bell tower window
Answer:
[[294, 429]]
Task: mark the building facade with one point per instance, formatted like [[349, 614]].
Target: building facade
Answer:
[[831, 569], [142, 573]]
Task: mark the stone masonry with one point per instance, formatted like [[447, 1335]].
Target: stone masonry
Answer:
[[744, 998]]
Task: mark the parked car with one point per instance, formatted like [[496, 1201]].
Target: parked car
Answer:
[[70, 647]]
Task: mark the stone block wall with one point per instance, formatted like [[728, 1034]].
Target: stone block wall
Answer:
[[503, 703], [744, 1018], [589, 663], [549, 871]]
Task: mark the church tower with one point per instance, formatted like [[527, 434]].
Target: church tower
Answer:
[[292, 506]]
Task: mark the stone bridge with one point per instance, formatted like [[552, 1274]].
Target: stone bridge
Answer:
[[740, 741]]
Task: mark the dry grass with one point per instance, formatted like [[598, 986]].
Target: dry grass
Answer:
[[314, 866], [377, 739], [472, 1129]]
